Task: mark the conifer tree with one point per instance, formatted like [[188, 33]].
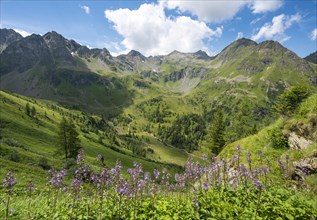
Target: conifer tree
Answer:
[[27, 109], [33, 112], [68, 138], [217, 133]]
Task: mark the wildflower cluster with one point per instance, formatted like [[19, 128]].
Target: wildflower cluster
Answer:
[[193, 194]]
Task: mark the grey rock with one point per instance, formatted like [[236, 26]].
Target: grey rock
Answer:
[[8, 36], [25, 54], [296, 142]]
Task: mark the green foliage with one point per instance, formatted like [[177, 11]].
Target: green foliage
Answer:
[[185, 132], [217, 133], [290, 99], [43, 162], [277, 138], [216, 203], [33, 112], [27, 109], [14, 156], [68, 138]]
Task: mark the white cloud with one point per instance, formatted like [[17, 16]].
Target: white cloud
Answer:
[[219, 11], [276, 29], [148, 30], [262, 6], [239, 35], [313, 35], [254, 21], [86, 9], [208, 11], [22, 32]]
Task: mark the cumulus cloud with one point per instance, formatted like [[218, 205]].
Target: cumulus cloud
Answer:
[[219, 11], [86, 9], [313, 35], [148, 30], [208, 11], [262, 6], [276, 29], [22, 32], [239, 35]]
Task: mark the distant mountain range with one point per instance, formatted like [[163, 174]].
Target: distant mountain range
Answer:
[[55, 68], [312, 57]]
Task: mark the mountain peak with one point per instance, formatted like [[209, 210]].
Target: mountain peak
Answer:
[[235, 48], [175, 52], [134, 53], [8, 36], [270, 44], [312, 57], [53, 36], [201, 55], [244, 42]]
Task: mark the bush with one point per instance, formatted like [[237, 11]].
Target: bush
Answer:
[[15, 157], [13, 143], [44, 163], [278, 140]]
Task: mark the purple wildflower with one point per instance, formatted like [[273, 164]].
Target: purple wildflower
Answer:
[[30, 186], [249, 157], [258, 184], [9, 181], [156, 174], [80, 157], [57, 179]]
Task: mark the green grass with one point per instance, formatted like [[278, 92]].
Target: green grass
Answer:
[[34, 138]]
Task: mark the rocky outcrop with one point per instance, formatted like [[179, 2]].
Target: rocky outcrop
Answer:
[[304, 167], [25, 54], [58, 47], [8, 36], [297, 142], [312, 57]]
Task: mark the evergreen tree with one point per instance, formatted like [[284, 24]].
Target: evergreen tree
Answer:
[[68, 138], [289, 100], [217, 133], [33, 112], [27, 109]]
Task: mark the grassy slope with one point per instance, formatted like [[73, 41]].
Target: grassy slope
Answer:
[[261, 141], [36, 138]]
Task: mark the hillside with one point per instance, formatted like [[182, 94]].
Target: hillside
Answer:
[[157, 109], [312, 57], [29, 144]]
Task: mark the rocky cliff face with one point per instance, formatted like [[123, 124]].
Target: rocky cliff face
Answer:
[[312, 57], [8, 36], [58, 47], [25, 54]]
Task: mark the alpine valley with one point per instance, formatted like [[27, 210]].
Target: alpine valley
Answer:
[[156, 110]]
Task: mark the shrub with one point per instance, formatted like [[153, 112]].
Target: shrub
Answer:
[[277, 138], [15, 157], [44, 163]]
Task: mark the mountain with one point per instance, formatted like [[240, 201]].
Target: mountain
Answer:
[[24, 54], [157, 109], [8, 36], [244, 80], [312, 57]]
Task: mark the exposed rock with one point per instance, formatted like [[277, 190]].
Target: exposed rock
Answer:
[[25, 54], [58, 46], [136, 54], [304, 167], [202, 55], [72, 45], [296, 142], [312, 57], [8, 36]]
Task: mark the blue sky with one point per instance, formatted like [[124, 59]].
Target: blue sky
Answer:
[[159, 27]]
